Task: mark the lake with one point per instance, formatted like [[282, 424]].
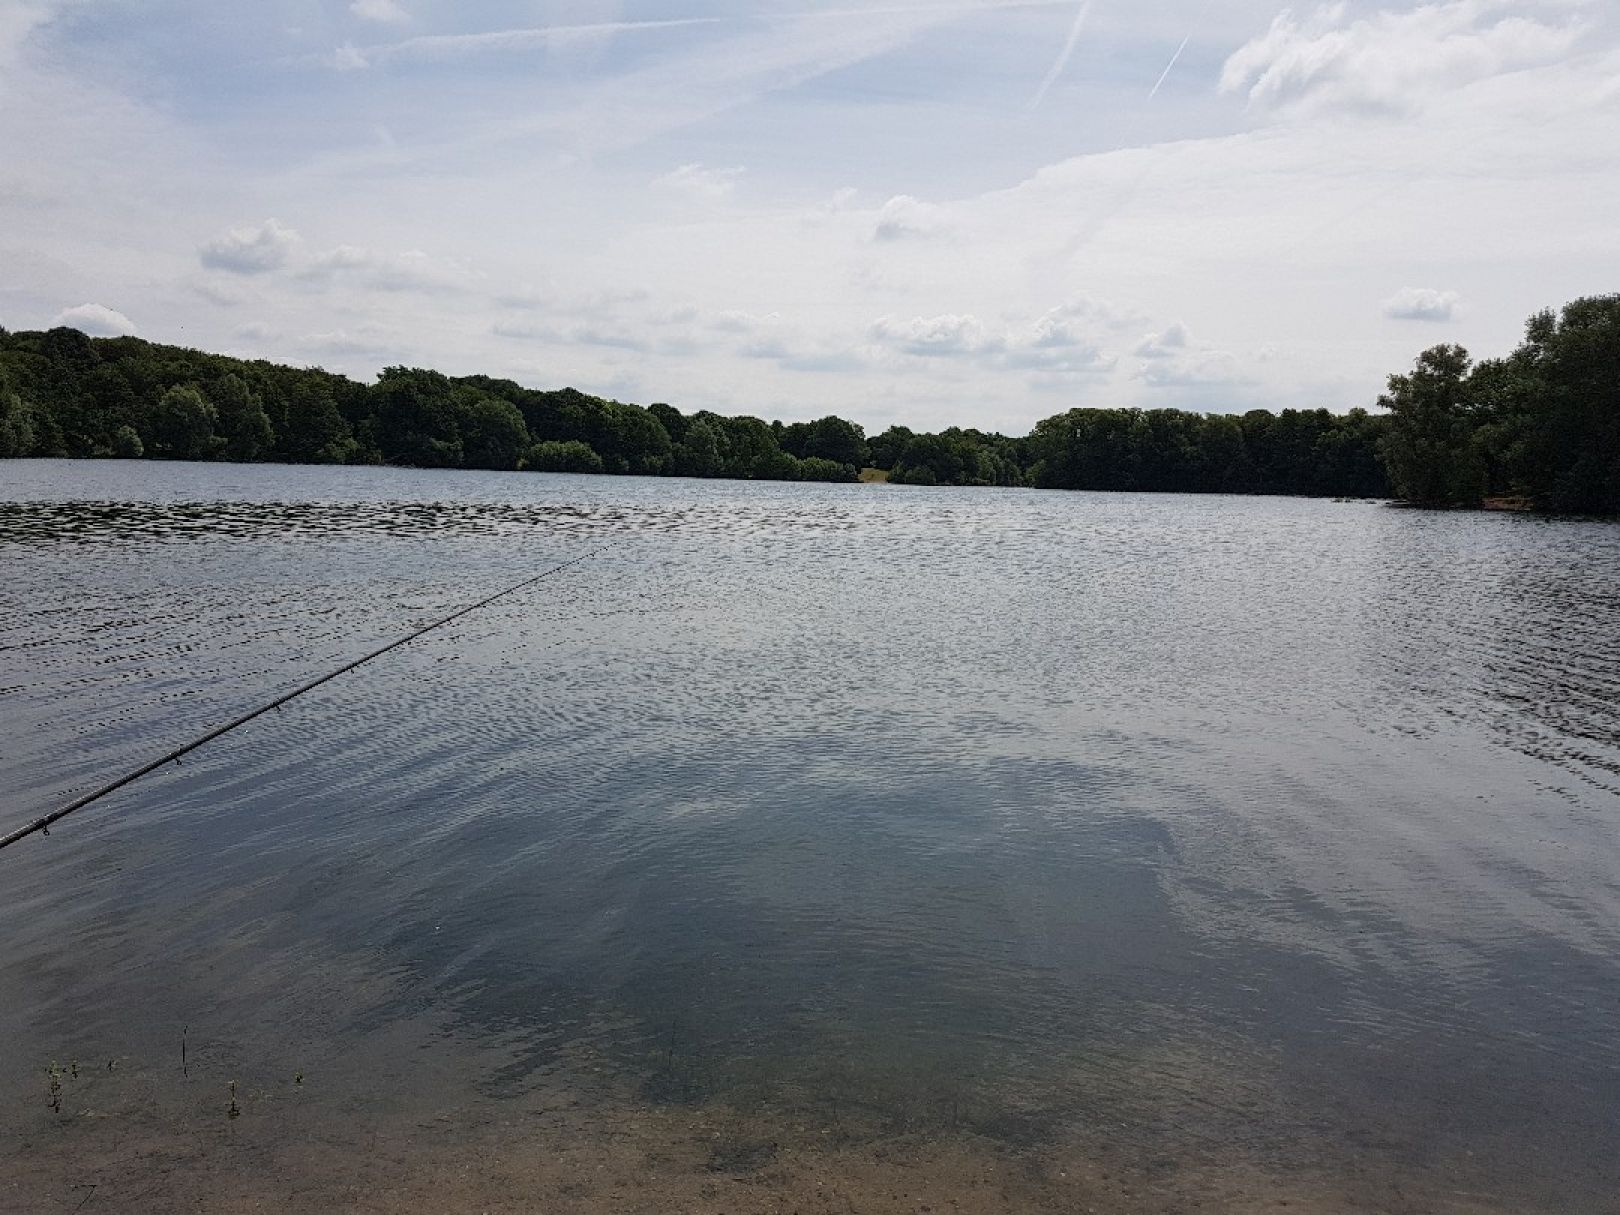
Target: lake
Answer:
[[805, 846]]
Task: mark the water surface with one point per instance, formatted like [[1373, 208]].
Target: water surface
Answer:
[[1160, 829]]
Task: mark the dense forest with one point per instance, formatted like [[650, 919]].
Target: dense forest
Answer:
[[1542, 425]]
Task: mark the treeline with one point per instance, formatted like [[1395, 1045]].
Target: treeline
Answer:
[[65, 394], [1540, 427]]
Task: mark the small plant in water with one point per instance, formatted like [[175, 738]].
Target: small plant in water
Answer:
[[299, 1079], [235, 1110]]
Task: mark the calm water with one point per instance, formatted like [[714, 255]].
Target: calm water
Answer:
[[1267, 825]]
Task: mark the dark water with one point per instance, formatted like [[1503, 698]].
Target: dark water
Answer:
[[1249, 822]]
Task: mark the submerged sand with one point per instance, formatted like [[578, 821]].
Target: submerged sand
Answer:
[[146, 1139]]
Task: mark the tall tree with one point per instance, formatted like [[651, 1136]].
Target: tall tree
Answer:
[[242, 420], [183, 426], [1428, 449]]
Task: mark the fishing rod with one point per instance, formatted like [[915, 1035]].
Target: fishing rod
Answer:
[[43, 825]]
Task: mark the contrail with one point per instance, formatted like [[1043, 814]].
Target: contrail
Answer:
[[438, 46], [1165, 75], [444, 46], [1064, 55]]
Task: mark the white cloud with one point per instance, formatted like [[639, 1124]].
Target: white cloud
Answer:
[[97, 320], [1195, 369], [1065, 342], [1389, 62], [1072, 339], [1077, 323], [1173, 359], [946, 336], [1166, 345], [904, 216], [250, 250], [702, 183], [384, 12], [1421, 304]]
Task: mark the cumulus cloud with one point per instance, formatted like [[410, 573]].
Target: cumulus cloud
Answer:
[[97, 320], [1389, 62], [1068, 340], [1421, 304], [946, 336], [904, 216], [1072, 324], [1071, 339], [1173, 359], [384, 12], [1167, 345], [251, 250], [1194, 369], [700, 182]]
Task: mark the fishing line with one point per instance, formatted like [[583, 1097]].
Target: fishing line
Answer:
[[44, 824]]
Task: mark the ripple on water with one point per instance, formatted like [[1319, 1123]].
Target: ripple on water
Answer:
[[1238, 821]]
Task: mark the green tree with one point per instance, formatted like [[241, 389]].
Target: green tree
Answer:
[[567, 456], [183, 426], [1428, 449], [750, 447], [314, 430], [699, 454], [779, 466], [814, 468], [835, 439], [670, 419], [126, 444], [492, 431], [415, 411], [631, 440], [1561, 407], [884, 450], [16, 423], [242, 420]]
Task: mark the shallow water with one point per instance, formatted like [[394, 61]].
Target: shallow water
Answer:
[[1161, 828]]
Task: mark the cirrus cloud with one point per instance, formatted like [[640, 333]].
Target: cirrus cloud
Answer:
[[701, 182]]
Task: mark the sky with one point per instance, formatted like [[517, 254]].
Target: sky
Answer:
[[925, 212]]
